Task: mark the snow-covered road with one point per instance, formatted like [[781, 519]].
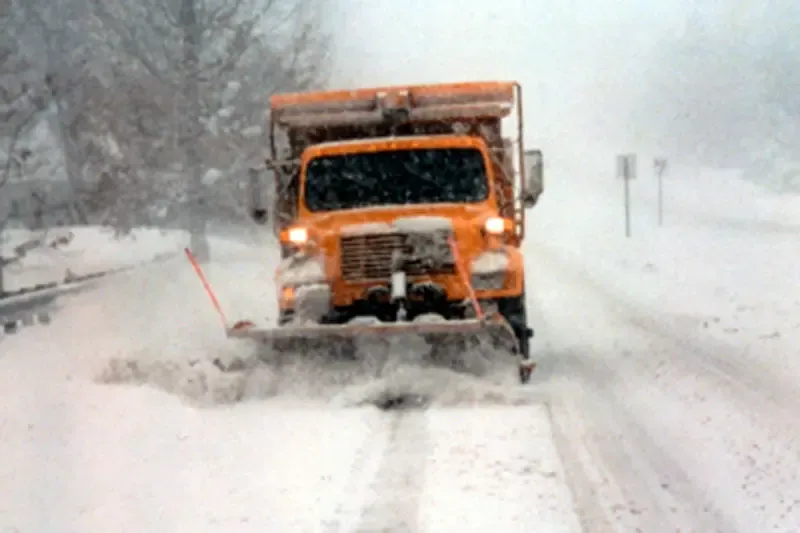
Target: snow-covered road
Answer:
[[84, 457], [660, 429], [665, 399]]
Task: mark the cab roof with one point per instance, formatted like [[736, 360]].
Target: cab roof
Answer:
[[376, 144]]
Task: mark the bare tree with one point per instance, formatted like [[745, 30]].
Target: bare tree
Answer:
[[63, 40], [208, 67], [19, 99], [20, 102]]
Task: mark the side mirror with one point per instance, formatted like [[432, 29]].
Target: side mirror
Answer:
[[534, 178], [257, 207]]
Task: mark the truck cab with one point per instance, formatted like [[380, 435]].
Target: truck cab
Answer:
[[400, 202]]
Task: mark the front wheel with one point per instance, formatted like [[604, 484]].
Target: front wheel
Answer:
[[513, 309]]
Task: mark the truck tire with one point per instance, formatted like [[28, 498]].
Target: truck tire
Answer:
[[514, 311]]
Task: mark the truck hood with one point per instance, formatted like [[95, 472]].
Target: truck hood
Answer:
[[465, 221], [417, 218]]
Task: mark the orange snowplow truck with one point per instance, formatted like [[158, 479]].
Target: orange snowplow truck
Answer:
[[400, 210]]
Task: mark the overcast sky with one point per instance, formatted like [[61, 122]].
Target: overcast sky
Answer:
[[572, 57], [581, 63]]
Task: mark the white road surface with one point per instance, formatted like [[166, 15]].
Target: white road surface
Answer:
[[665, 401]]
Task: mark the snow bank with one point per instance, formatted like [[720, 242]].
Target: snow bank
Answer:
[[416, 224], [91, 249], [724, 263], [661, 430], [626, 394], [80, 455], [159, 312], [383, 375], [710, 196], [439, 388], [156, 327], [76, 461]]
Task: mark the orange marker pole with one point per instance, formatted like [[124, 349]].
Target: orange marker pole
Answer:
[[464, 279], [207, 286]]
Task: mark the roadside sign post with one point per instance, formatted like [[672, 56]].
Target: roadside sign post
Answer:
[[3, 261], [626, 169], [660, 167]]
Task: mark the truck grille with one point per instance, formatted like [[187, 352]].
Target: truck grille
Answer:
[[370, 257]]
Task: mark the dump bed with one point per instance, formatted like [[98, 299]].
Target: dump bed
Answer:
[[299, 120]]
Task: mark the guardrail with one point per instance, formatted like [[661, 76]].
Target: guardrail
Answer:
[[68, 280], [10, 325], [32, 319], [21, 251]]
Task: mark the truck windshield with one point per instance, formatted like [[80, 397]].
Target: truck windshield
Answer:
[[396, 177]]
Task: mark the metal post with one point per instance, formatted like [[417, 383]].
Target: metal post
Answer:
[[660, 166], [626, 169], [627, 181], [660, 199], [3, 261]]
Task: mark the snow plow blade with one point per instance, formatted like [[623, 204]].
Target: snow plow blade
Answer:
[[434, 332]]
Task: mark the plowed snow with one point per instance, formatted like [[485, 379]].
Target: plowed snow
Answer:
[[300, 447], [639, 417]]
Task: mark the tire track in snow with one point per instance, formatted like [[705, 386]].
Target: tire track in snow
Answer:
[[386, 482], [458, 469], [366, 462], [581, 479], [776, 399], [747, 388], [398, 484], [695, 394], [621, 476]]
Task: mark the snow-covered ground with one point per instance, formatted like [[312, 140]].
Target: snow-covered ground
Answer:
[[320, 457], [673, 355], [665, 398], [90, 250]]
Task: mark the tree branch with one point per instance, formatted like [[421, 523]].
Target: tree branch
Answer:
[[10, 157], [132, 45]]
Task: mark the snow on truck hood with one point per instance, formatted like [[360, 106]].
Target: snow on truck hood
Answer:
[[411, 219], [410, 224]]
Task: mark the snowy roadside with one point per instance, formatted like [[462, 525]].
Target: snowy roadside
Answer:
[[655, 434], [67, 260], [129, 460], [90, 250], [625, 425], [671, 358], [709, 281], [320, 458]]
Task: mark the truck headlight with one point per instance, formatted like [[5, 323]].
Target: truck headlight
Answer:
[[489, 270], [495, 226], [494, 232], [298, 236]]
